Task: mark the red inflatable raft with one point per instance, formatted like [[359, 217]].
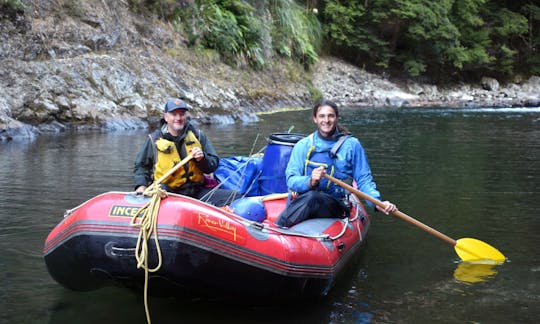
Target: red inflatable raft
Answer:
[[206, 251], [232, 252]]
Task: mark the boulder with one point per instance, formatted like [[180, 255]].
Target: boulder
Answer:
[[490, 84]]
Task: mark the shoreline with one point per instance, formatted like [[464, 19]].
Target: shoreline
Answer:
[[28, 132]]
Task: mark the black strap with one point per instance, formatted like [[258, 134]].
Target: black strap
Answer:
[[336, 146]]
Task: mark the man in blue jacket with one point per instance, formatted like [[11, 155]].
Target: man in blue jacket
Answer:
[[332, 150]]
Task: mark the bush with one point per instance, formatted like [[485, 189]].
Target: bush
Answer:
[[12, 5], [243, 32]]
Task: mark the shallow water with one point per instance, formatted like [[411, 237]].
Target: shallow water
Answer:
[[466, 173]]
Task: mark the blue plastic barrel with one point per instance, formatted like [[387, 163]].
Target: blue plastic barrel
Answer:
[[276, 156]]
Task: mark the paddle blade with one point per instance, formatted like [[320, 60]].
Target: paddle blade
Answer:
[[469, 249]]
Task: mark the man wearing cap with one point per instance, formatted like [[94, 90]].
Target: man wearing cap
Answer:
[[167, 146]]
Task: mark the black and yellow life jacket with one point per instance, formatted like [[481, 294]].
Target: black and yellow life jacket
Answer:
[[167, 156]]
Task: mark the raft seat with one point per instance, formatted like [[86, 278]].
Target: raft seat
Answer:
[[273, 209]]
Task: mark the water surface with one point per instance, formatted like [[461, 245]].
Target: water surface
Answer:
[[466, 173]]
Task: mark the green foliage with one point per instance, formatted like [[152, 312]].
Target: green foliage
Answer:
[[507, 29], [250, 34], [13, 5], [532, 39], [426, 37], [471, 38], [343, 22], [222, 32], [509, 24], [295, 33], [464, 58], [74, 8], [350, 34], [231, 28], [466, 13], [506, 59], [471, 52], [436, 38], [414, 67], [315, 93]]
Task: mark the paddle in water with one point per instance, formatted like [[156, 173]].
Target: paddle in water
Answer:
[[468, 249]]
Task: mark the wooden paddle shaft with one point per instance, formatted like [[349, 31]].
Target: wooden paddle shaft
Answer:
[[399, 214], [172, 170], [275, 196], [279, 196]]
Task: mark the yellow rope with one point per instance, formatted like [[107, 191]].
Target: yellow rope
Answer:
[[146, 220]]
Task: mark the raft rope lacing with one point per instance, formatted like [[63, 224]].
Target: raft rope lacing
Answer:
[[146, 219]]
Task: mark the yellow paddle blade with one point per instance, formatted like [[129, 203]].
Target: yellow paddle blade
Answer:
[[470, 249]]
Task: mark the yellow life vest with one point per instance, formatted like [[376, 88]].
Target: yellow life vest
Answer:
[[167, 156]]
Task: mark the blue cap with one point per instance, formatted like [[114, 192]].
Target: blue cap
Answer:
[[175, 103]]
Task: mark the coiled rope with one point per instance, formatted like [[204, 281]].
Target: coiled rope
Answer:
[[147, 219]]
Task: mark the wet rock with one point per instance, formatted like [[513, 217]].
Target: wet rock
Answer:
[[52, 127], [532, 85], [15, 130], [490, 84], [123, 123]]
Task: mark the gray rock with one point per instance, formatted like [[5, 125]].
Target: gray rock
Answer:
[[490, 84]]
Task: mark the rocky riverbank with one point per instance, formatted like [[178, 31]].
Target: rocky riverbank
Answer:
[[352, 86], [106, 68]]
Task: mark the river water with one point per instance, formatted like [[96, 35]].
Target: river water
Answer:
[[467, 173]]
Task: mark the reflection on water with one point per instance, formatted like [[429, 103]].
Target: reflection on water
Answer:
[[469, 272], [464, 172]]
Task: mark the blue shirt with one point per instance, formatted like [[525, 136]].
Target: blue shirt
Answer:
[[351, 161]]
